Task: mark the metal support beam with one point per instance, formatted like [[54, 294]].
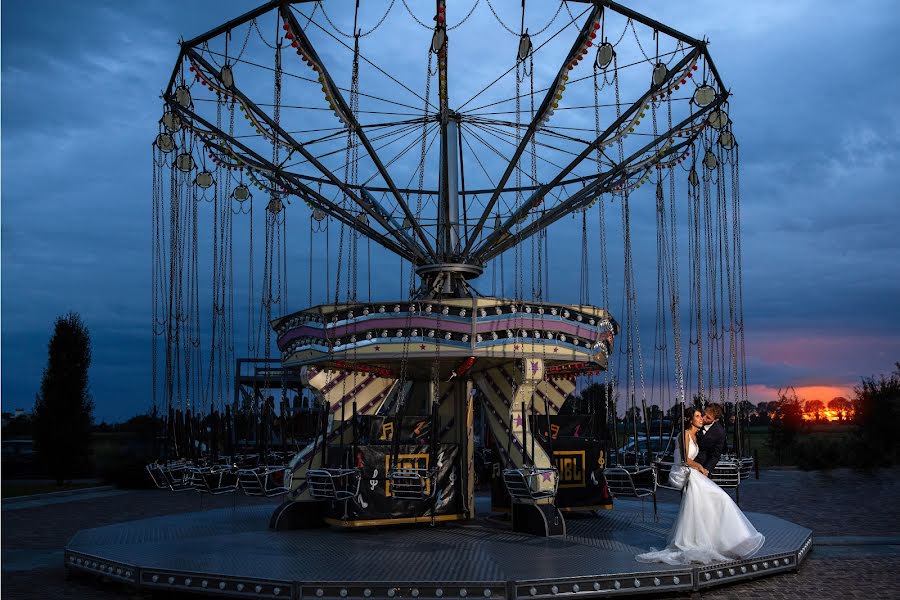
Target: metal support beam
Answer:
[[654, 24], [398, 234], [544, 189], [289, 18], [450, 203], [175, 70], [549, 97], [237, 21], [602, 185], [445, 177], [644, 20], [291, 181]]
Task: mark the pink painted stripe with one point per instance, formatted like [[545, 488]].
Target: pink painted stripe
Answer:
[[444, 324]]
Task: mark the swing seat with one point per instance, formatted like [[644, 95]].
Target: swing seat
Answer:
[[246, 461], [663, 468], [214, 479], [631, 482], [531, 483], [412, 484], [265, 480], [174, 475], [156, 474], [727, 473], [279, 458], [333, 484]]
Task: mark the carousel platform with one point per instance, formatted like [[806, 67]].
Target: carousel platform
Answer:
[[232, 553]]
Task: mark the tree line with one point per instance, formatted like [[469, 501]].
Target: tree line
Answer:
[[63, 414]]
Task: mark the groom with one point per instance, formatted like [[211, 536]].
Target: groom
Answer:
[[711, 438]]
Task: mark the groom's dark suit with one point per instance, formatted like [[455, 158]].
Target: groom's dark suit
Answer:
[[711, 445]]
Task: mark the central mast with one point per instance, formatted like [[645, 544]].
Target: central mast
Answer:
[[448, 276]]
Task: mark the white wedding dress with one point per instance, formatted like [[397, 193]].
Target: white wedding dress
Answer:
[[710, 527]]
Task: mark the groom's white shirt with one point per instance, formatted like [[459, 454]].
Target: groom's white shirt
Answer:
[[706, 427]]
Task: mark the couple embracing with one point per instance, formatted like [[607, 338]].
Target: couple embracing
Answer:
[[710, 526]]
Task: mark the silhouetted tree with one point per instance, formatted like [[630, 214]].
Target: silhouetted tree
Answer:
[[814, 408], [786, 421], [841, 407], [877, 416], [594, 397], [633, 415], [747, 409], [675, 412], [63, 408]]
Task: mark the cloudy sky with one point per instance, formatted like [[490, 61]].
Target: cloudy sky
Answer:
[[815, 93]]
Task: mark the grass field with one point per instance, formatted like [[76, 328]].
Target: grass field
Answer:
[[11, 489]]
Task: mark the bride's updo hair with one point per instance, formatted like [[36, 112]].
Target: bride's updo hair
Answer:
[[689, 415]]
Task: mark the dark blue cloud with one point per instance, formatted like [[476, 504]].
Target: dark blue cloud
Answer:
[[814, 94]]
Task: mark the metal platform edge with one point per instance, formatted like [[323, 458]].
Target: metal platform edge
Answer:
[[674, 579]]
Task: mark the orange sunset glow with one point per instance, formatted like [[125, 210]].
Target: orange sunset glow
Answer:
[[810, 394], [823, 392], [823, 403]]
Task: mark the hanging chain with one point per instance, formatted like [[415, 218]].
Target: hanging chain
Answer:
[[156, 281], [356, 33], [535, 256], [584, 294], [674, 280], [499, 20], [404, 361], [251, 337], [354, 176], [276, 150], [228, 271], [711, 309], [243, 46], [519, 268], [698, 280]]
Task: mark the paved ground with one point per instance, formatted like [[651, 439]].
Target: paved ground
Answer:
[[855, 518], [835, 503]]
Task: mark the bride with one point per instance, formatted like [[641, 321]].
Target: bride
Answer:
[[710, 527]]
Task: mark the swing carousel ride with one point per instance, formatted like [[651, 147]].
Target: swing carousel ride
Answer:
[[362, 411]]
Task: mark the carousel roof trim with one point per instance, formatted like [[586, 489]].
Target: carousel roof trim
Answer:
[[482, 302]]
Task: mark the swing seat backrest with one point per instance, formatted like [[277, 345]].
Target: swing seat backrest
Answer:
[[631, 482], [726, 474], [333, 484]]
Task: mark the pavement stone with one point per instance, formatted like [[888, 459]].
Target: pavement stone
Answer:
[[841, 502]]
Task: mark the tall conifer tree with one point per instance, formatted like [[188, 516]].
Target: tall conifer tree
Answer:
[[63, 410]]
